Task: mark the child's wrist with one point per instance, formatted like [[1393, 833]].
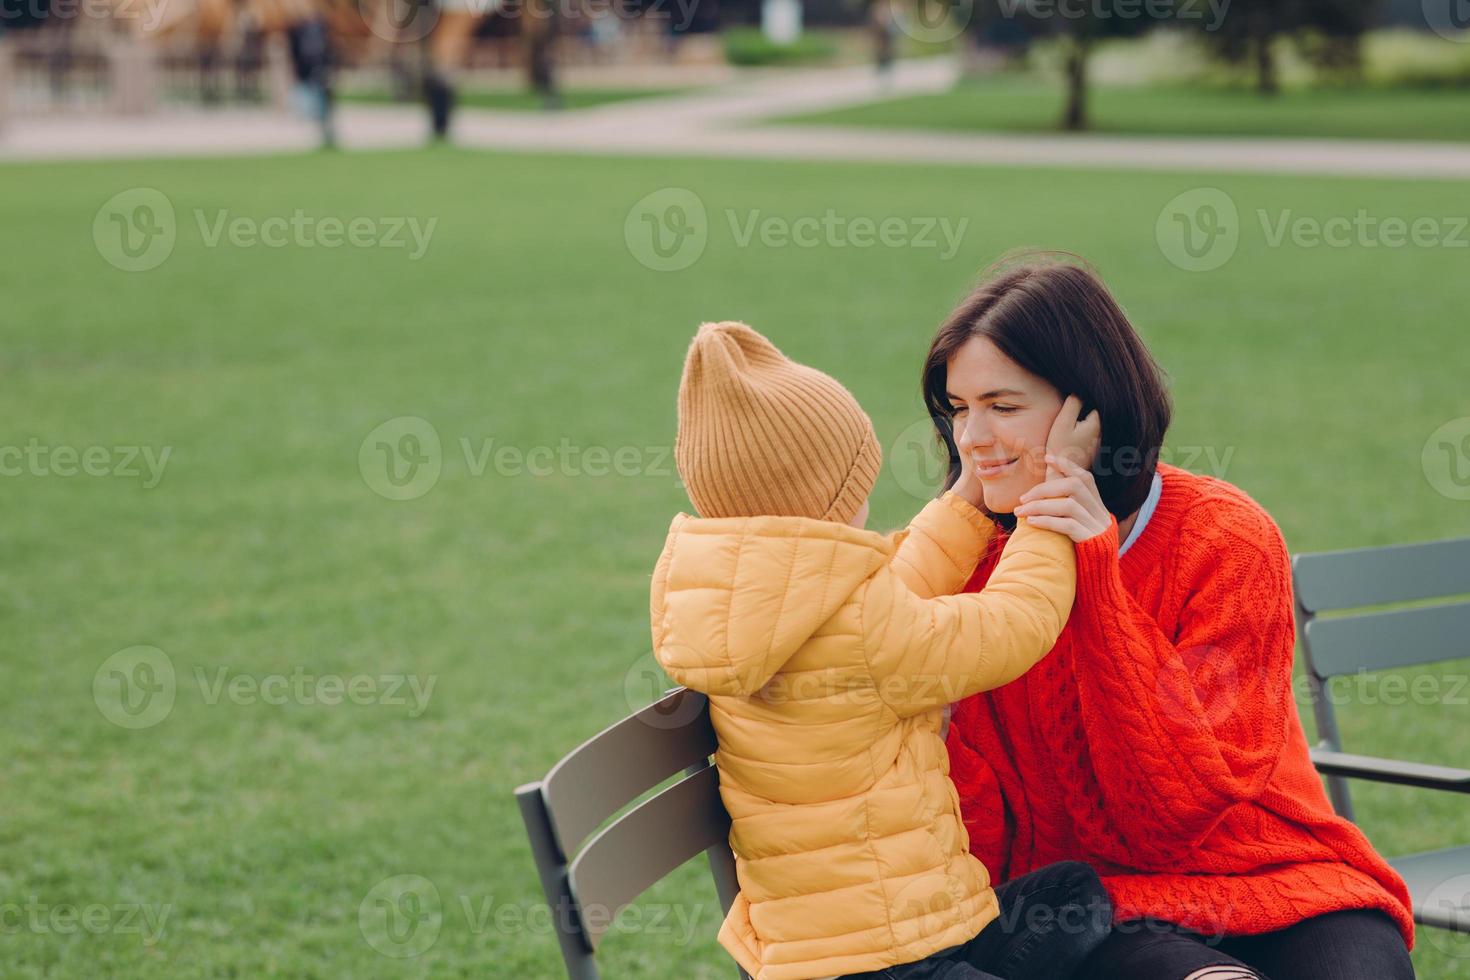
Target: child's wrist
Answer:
[[971, 513]]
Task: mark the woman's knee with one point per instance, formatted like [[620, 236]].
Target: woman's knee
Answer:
[[1355, 944], [1162, 951], [1072, 876], [1225, 973], [1083, 886], [1079, 903]]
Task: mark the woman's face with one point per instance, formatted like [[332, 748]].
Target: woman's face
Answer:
[[1002, 414]]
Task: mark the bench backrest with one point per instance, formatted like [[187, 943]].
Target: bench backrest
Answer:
[[1377, 640], [588, 881]]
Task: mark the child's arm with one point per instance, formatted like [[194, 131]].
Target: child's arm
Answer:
[[927, 653], [935, 651], [942, 546]]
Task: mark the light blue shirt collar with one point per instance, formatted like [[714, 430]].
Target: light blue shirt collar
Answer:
[[1155, 489]]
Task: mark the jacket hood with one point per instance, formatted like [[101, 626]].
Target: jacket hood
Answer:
[[734, 598]]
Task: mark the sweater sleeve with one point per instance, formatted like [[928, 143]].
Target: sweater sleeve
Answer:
[[1183, 727], [941, 546], [927, 653]]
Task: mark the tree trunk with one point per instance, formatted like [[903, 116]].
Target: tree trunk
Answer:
[[1266, 82], [1074, 118]]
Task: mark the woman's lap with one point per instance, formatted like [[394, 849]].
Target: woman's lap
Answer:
[[1157, 950], [1360, 944]]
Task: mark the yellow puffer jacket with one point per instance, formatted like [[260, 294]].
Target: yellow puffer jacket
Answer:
[[829, 654]]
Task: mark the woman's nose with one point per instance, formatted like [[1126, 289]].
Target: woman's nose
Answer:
[[971, 434]]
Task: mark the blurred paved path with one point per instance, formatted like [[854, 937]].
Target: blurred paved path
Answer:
[[722, 122]]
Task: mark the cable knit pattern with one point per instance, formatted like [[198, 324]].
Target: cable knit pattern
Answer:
[[1158, 740]]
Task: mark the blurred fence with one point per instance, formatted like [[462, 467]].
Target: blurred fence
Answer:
[[48, 73], [86, 66]]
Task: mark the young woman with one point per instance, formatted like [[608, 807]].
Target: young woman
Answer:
[[1158, 740]]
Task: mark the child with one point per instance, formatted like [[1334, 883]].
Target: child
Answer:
[[829, 654]]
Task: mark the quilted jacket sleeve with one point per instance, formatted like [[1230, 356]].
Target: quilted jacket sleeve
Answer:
[[942, 546], [926, 653]]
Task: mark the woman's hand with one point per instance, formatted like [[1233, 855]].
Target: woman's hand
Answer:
[[1068, 504]]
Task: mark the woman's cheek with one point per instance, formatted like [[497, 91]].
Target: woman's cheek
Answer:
[[1035, 466], [1030, 471], [1028, 442]]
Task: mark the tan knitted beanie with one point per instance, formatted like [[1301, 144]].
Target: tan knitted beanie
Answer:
[[762, 435]]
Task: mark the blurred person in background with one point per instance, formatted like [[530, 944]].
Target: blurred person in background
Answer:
[[310, 43]]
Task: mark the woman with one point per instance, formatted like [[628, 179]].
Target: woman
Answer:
[[1158, 740]]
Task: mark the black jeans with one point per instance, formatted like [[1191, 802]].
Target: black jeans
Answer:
[[1050, 920], [1355, 945]]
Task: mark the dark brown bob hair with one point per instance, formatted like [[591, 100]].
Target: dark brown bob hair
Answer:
[[1051, 314]]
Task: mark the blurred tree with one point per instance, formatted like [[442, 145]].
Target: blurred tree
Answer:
[[1004, 31], [1248, 33], [1077, 26], [1328, 32], [1077, 42], [1008, 29], [1331, 37]]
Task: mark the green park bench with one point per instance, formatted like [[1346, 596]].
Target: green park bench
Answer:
[[597, 779], [589, 874], [1364, 642]]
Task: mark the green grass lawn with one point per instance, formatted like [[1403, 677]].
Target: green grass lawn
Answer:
[[519, 589], [1029, 104], [523, 99]]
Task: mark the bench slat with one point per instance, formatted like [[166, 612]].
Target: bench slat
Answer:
[[1383, 640], [1330, 580], [645, 844], [613, 768]]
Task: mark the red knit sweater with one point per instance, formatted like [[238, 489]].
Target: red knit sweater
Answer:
[[1159, 742]]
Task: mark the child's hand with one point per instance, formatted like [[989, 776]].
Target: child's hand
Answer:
[[968, 485], [1073, 438]]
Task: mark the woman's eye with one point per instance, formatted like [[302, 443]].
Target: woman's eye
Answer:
[[958, 409], [1005, 409]]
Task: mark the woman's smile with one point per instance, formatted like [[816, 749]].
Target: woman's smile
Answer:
[[993, 469]]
